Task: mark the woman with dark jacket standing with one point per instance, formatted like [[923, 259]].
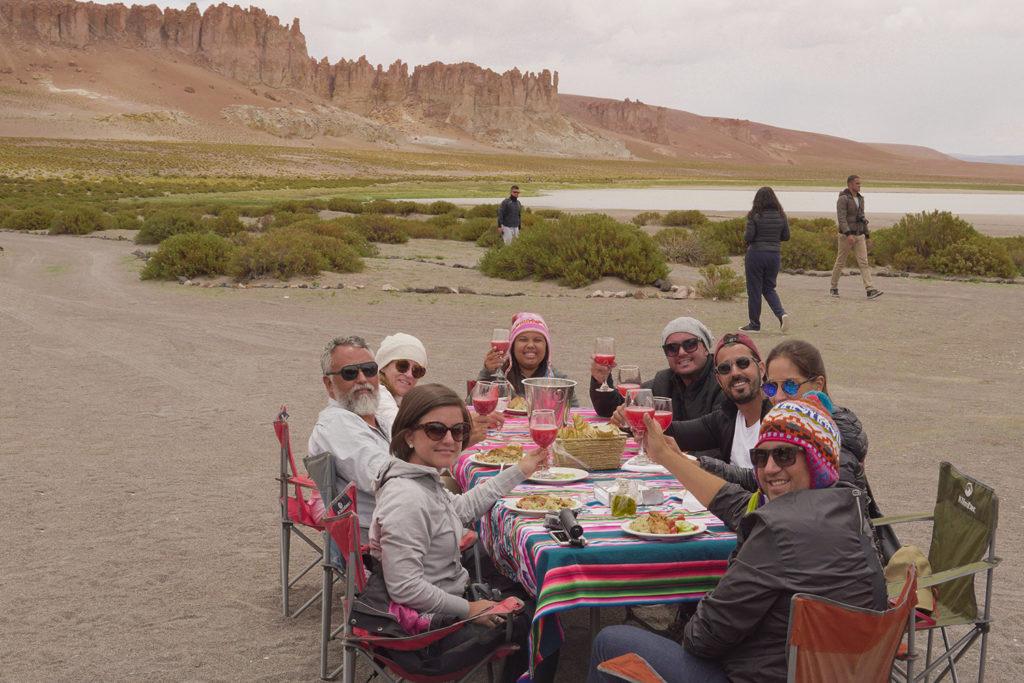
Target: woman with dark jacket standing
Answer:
[[767, 228]]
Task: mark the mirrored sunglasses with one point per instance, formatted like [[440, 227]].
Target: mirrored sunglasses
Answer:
[[790, 387]]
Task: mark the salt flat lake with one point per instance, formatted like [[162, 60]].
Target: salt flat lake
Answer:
[[802, 200]]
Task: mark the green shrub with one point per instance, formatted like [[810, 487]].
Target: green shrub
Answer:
[[79, 220], [489, 238], [825, 226], [339, 229], [728, 233], [160, 225], [576, 251], [979, 255], [226, 223], [808, 250], [345, 204], [547, 213], [285, 217], [382, 229], [682, 219], [125, 220], [387, 206], [286, 252], [681, 245], [34, 218], [472, 229], [646, 217], [189, 254], [1015, 248], [484, 211], [438, 208], [925, 233], [909, 260], [721, 283]]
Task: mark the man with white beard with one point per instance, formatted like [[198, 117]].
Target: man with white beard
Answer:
[[349, 428]]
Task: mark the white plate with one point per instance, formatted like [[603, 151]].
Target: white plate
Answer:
[[653, 468], [574, 475], [701, 528], [478, 461], [511, 504]]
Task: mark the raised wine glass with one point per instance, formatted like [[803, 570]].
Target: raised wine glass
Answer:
[[604, 354], [485, 398], [639, 402], [500, 343], [544, 431], [629, 378]]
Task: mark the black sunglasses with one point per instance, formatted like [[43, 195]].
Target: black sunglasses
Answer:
[[350, 372], [690, 345], [784, 456], [435, 431], [403, 367], [790, 386], [725, 367]]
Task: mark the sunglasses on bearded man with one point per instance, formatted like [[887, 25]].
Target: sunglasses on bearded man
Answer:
[[350, 372]]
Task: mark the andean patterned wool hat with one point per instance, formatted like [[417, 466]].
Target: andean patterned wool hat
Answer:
[[529, 322], [806, 423]]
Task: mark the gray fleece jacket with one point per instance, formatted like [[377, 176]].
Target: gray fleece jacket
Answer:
[[415, 533]]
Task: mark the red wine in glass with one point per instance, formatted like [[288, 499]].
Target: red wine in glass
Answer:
[[544, 435], [625, 388], [606, 359], [635, 417], [500, 346], [663, 418], [485, 405]]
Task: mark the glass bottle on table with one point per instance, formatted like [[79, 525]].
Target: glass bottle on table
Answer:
[[544, 431], [604, 354], [639, 402], [629, 378], [500, 343]]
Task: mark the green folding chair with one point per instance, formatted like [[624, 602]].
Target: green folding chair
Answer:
[[963, 545]]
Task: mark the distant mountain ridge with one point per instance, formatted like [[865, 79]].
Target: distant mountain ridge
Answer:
[[1012, 159]]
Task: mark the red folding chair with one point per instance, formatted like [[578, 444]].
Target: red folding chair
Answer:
[[297, 497], [355, 642]]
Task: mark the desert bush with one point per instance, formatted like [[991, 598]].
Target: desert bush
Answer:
[[925, 232], [339, 229], [577, 250], [825, 226], [432, 229], [285, 252], [160, 225], [729, 233], [189, 254], [387, 206], [978, 255], [808, 250], [489, 238], [226, 223], [79, 220], [439, 207], [382, 229], [283, 217], [646, 218], [472, 229], [125, 220], [345, 204], [682, 219], [33, 218], [547, 213], [907, 259], [483, 211], [1015, 248], [681, 245], [721, 283]]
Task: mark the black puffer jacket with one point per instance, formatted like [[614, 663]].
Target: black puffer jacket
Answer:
[[812, 541], [766, 230], [689, 401]]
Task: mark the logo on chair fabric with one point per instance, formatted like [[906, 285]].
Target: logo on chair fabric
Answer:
[[964, 499], [968, 489]]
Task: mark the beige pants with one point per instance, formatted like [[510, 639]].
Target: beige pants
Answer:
[[860, 251]]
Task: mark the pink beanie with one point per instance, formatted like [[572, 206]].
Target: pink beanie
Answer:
[[530, 322]]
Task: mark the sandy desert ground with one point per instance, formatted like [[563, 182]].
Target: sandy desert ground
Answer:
[[140, 515]]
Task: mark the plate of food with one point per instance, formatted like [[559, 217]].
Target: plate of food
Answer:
[[496, 457], [539, 504], [660, 526], [559, 475], [517, 406]]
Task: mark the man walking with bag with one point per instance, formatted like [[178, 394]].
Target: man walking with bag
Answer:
[[853, 236]]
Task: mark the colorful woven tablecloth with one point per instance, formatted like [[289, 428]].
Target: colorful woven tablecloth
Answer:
[[615, 568]]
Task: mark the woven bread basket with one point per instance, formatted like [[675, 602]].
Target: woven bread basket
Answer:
[[593, 454]]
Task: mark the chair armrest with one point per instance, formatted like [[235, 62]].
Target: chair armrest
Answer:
[[900, 519], [940, 578]]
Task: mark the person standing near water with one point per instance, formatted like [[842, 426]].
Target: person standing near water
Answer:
[[509, 216], [767, 228], [853, 236]]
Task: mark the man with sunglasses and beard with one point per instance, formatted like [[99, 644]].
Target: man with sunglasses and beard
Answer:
[[688, 380], [727, 434]]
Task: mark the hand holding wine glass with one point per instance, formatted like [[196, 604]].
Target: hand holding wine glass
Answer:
[[604, 361], [639, 402], [500, 344], [543, 430]]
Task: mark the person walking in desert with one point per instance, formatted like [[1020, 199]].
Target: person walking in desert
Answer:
[[853, 236]]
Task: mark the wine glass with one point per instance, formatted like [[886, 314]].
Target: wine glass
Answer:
[[485, 398], [504, 393], [543, 431], [663, 411], [500, 343], [604, 354], [639, 402], [629, 378]]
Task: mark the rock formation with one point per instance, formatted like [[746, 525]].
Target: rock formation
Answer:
[[629, 117]]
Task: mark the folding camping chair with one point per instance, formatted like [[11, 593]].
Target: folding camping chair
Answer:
[[296, 498], [963, 533], [343, 528], [830, 641]]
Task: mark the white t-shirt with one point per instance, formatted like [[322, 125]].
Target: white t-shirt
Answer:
[[743, 439]]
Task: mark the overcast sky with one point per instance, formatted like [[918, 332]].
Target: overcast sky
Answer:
[[947, 74]]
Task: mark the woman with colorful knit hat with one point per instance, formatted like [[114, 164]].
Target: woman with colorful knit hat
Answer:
[[802, 531], [530, 354]]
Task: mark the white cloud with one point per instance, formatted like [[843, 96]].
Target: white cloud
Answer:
[[941, 73]]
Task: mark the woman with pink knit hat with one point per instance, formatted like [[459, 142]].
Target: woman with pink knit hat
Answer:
[[530, 354], [802, 531]]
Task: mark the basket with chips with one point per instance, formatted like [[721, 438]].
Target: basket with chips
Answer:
[[593, 447]]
